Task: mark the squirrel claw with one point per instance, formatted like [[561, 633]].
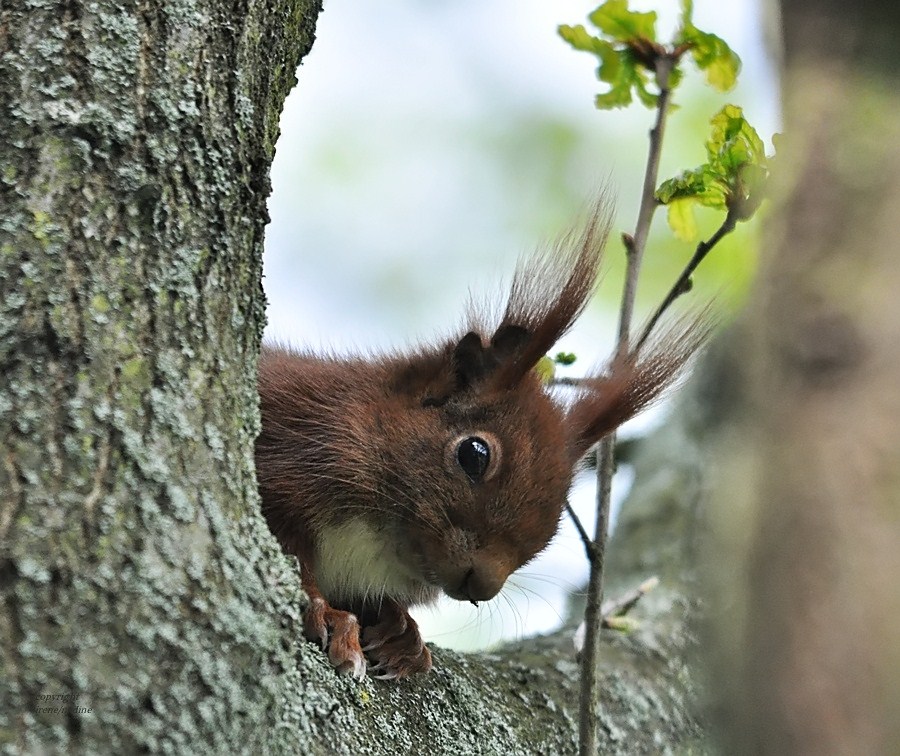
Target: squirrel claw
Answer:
[[344, 651], [396, 647], [393, 624], [393, 645], [315, 625], [371, 640], [354, 665], [403, 663]]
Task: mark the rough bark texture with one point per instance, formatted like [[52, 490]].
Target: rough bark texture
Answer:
[[137, 578], [145, 607], [809, 636]]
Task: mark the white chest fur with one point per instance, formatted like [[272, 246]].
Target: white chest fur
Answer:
[[355, 561]]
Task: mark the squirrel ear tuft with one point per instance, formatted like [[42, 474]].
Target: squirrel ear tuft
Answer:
[[507, 341], [469, 361], [632, 383], [549, 291], [472, 362]]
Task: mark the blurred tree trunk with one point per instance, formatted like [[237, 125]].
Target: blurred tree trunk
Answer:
[[810, 504]]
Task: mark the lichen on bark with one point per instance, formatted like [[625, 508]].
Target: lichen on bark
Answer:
[[138, 579]]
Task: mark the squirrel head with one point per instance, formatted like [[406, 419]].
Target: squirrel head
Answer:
[[475, 455]]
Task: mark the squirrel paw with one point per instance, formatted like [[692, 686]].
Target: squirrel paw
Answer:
[[344, 651], [396, 647]]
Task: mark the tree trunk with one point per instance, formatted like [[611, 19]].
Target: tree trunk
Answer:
[[810, 634], [144, 604]]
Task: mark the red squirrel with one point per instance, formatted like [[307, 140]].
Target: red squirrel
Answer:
[[441, 469]]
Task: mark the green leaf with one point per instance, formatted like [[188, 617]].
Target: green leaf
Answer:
[[578, 37], [613, 64], [615, 98], [619, 71], [628, 53], [732, 179], [646, 97], [616, 67], [722, 72], [733, 142], [546, 369], [711, 54], [564, 358], [681, 218], [701, 184], [726, 124], [615, 20]]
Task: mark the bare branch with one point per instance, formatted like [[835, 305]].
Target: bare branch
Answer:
[[616, 609], [634, 246], [626, 602], [582, 532], [683, 284]]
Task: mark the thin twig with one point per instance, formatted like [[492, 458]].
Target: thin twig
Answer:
[[636, 243], [617, 608], [634, 246], [573, 382], [683, 284], [582, 532], [620, 606], [593, 617]]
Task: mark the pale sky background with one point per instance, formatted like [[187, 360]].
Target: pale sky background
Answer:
[[429, 144]]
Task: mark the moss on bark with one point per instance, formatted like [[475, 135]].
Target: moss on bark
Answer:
[[138, 579]]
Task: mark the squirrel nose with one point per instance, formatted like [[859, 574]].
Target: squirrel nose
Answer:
[[483, 582]]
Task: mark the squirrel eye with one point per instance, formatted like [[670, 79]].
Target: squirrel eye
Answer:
[[473, 455]]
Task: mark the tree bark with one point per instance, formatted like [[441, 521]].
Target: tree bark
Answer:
[[138, 580], [809, 614]]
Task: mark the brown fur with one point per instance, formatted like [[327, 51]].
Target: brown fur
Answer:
[[370, 444]]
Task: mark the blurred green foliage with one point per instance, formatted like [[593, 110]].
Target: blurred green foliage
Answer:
[[629, 49], [556, 149], [733, 176]]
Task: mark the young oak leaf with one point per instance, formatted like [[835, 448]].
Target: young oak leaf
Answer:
[[732, 179], [711, 54], [630, 55], [578, 37], [615, 20], [733, 142], [625, 56], [681, 218], [617, 68]]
